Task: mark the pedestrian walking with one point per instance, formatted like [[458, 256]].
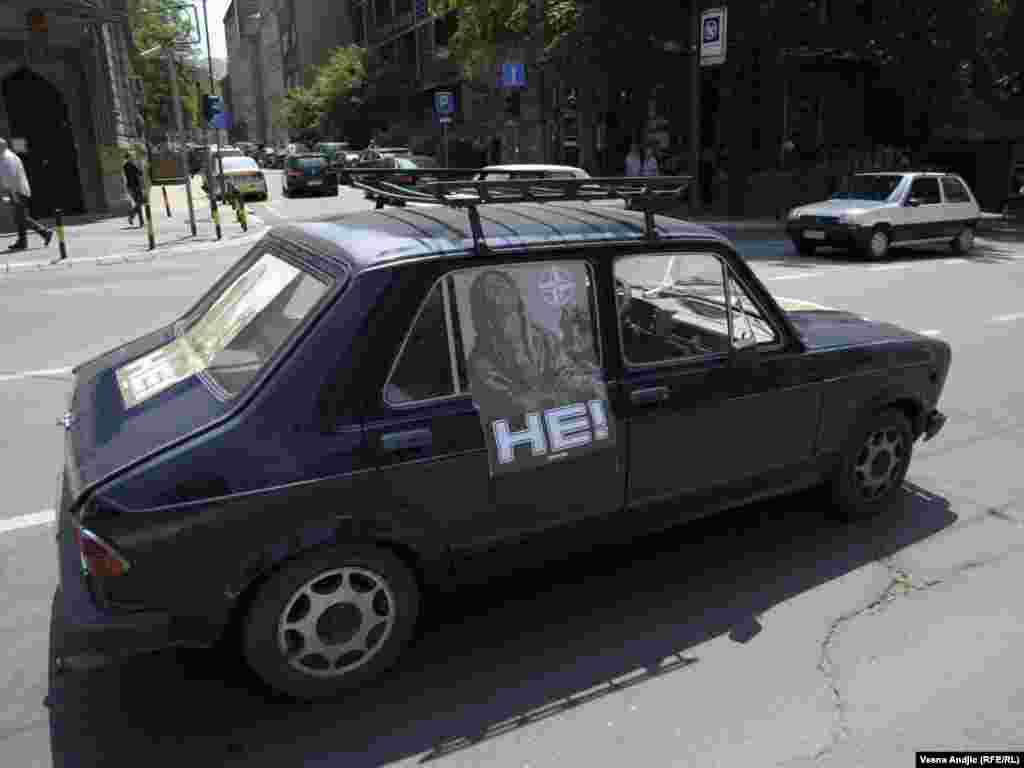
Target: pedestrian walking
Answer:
[[634, 161], [133, 182], [14, 181], [650, 166]]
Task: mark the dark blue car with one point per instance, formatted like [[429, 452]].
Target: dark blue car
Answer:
[[308, 174], [363, 409]]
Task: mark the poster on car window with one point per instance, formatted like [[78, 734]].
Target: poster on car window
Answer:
[[528, 334]]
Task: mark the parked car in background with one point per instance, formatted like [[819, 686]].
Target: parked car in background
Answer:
[[398, 163], [347, 419], [308, 174], [530, 171], [211, 167], [296, 148], [881, 211], [378, 153], [245, 176], [332, 150]]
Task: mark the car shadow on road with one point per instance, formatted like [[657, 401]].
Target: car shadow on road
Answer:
[[494, 657]]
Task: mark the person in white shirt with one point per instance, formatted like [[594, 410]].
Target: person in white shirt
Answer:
[[14, 181], [634, 161]]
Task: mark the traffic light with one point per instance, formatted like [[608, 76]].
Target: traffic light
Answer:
[[212, 106]]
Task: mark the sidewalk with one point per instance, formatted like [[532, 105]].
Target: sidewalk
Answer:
[[102, 239]]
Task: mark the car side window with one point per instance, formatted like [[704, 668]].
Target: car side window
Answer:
[[671, 307], [954, 190], [926, 190], [424, 368]]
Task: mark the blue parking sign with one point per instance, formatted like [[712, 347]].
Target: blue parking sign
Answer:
[[513, 75], [444, 103]]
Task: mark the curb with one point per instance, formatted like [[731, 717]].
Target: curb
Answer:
[[131, 257]]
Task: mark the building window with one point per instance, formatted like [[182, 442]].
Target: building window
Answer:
[[382, 11], [355, 11], [402, 7]]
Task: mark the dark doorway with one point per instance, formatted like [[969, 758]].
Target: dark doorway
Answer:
[[38, 114]]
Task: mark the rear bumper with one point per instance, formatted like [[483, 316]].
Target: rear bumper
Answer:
[[933, 423]]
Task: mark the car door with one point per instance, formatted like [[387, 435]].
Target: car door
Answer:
[[961, 210], [700, 416], [470, 432], [925, 209]]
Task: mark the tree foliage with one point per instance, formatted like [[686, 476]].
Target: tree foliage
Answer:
[[334, 97], [153, 23]]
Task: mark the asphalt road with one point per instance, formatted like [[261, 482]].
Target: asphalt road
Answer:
[[762, 637]]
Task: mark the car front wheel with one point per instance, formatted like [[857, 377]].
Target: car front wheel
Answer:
[[873, 465], [331, 621], [804, 248], [878, 244], [963, 242]]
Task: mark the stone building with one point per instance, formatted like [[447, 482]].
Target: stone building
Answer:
[[67, 103]]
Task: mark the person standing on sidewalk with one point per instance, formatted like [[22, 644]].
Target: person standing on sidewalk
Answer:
[[133, 181], [14, 181]]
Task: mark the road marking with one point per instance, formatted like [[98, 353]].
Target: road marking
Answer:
[[889, 267], [800, 276], [35, 374], [1007, 318], [27, 521], [930, 333], [955, 261]]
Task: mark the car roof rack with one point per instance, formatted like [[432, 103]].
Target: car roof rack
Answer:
[[470, 194]]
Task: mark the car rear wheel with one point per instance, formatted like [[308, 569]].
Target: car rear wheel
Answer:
[[331, 621], [873, 465], [963, 242], [878, 245]]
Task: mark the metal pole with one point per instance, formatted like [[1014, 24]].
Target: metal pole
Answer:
[[213, 92], [444, 142], [695, 39], [181, 133]]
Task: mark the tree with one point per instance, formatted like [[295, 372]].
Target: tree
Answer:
[[301, 110], [339, 86], [153, 23]]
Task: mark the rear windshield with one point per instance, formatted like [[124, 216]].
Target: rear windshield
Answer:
[[311, 162], [877, 187], [239, 164]]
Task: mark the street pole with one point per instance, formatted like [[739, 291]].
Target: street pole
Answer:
[[181, 133], [213, 92], [444, 142], [695, 39]]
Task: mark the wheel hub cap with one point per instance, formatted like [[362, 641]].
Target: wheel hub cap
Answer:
[[878, 462], [878, 243], [336, 622]]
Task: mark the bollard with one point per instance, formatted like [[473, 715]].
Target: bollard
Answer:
[[60, 234], [216, 216], [167, 203], [149, 225], [241, 214]]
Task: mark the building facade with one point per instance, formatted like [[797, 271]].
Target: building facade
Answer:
[[67, 103]]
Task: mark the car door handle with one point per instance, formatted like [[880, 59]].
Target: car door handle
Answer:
[[402, 441], [649, 395]]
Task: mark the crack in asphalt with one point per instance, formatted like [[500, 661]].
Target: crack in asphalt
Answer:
[[901, 583]]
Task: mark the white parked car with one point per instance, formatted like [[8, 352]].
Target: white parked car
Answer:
[[530, 171], [886, 210]]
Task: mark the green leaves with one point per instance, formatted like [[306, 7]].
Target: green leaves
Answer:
[[336, 93]]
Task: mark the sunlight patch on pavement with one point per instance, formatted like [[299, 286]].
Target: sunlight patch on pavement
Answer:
[[42, 374], [10, 524]]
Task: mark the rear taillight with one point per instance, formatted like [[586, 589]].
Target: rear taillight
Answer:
[[99, 558], [295, 174]]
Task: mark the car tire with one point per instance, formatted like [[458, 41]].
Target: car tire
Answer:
[[964, 242], [877, 247], [873, 465], [348, 583]]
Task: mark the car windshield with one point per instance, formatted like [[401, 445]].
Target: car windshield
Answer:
[[876, 187], [239, 164], [311, 162], [249, 321]]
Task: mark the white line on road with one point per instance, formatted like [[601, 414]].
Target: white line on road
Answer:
[[793, 277], [1007, 318], [931, 333], [955, 261], [35, 374], [27, 521]]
